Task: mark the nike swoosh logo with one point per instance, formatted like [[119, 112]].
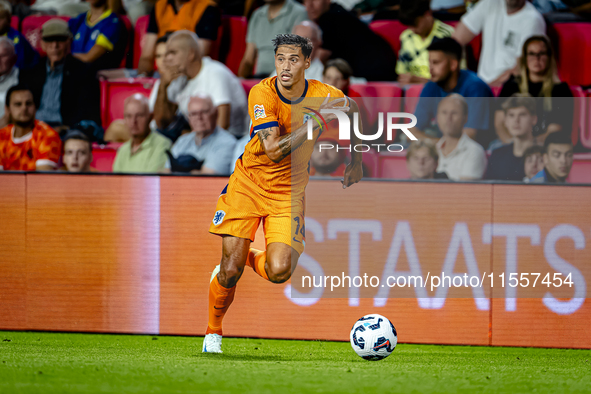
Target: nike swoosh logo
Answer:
[[217, 308], [294, 240]]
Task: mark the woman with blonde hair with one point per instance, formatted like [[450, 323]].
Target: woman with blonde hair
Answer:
[[538, 77]]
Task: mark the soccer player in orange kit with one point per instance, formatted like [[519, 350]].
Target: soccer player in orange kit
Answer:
[[269, 180]]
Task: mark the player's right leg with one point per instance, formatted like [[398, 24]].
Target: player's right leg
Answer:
[[222, 288]]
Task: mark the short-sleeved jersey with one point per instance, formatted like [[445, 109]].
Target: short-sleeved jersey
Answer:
[[104, 32], [42, 146], [267, 108]]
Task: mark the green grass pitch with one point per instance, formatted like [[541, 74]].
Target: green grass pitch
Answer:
[[33, 362]]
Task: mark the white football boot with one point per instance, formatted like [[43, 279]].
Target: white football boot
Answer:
[[212, 343]]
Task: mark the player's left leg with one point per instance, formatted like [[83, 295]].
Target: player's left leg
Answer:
[[281, 261]]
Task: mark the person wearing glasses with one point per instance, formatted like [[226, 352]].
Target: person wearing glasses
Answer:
[[538, 77]]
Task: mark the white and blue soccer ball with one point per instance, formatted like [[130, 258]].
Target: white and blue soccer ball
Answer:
[[373, 337]]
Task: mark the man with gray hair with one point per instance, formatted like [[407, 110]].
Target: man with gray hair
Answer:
[[146, 150], [460, 157], [8, 74], [26, 56], [191, 74], [208, 149]]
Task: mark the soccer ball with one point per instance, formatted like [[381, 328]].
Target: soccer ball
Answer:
[[373, 337]]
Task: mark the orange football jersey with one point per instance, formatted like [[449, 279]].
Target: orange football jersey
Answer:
[[42, 146], [268, 108]]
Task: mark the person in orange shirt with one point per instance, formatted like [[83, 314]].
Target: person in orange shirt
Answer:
[[270, 177], [27, 144]]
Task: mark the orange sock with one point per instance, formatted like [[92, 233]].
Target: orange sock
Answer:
[[256, 260], [220, 299]]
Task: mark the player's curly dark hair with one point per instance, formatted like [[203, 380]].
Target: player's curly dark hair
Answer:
[[293, 39]]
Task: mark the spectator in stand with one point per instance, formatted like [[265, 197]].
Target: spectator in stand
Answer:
[[275, 17], [27, 144], [311, 31], [202, 17], [506, 163], [421, 160], [190, 74], [208, 149], [533, 161], [538, 77], [26, 56], [77, 152], [558, 159], [345, 36], [505, 25], [326, 159], [100, 37], [446, 78], [146, 150], [338, 73], [65, 89], [413, 57], [460, 157], [8, 74]]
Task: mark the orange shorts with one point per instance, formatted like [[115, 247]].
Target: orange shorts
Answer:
[[240, 210]]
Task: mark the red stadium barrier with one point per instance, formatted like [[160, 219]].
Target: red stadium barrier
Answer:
[[129, 263], [31, 29], [114, 93], [141, 26]]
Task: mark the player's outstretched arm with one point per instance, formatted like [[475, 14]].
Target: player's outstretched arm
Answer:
[[277, 147], [354, 171]]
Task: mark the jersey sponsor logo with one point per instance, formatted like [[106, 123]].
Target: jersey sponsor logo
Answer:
[[218, 217], [259, 112]]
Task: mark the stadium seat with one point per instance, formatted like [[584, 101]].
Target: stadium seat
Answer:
[[233, 43], [389, 30], [411, 97], [496, 90], [579, 115], [392, 166], [114, 93], [31, 29], [15, 22], [574, 61], [103, 156], [585, 135], [129, 47], [248, 84], [378, 97], [141, 26]]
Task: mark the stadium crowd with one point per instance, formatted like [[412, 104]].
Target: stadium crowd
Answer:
[[196, 118]]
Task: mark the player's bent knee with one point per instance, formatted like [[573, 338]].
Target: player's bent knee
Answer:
[[229, 275], [279, 271]]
